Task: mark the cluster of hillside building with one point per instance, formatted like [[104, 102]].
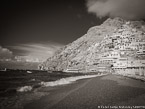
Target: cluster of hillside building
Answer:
[[124, 51]]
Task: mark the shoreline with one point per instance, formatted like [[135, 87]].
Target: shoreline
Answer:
[[54, 93]]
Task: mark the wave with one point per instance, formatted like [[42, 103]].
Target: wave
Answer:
[[67, 80], [24, 89], [62, 81]]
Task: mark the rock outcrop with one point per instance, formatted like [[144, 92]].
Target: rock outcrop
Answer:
[[83, 54]]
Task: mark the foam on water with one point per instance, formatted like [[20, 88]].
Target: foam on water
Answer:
[[67, 80], [62, 81], [24, 89]]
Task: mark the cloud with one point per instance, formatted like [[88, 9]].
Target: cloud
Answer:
[[127, 9], [36, 52], [5, 54]]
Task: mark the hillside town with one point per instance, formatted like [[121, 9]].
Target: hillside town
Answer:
[[123, 52]]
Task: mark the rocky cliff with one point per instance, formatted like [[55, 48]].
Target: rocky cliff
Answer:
[[83, 54]]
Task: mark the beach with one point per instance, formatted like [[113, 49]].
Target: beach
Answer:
[[110, 91]]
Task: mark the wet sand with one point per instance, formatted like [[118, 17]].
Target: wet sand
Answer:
[[110, 90]]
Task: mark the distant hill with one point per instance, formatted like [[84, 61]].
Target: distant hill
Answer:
[[84, 53]]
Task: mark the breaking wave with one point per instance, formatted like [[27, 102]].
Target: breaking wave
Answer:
[[67, 80], [24, 89], [62, 81]]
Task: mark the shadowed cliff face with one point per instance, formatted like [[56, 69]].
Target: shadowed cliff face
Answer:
[[84, 52]]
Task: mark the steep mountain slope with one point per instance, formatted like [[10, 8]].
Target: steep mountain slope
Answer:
[[84, 53]]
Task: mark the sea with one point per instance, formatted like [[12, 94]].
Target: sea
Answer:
[[19, 87]]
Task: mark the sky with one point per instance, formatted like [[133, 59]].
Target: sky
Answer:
[[34, 29]]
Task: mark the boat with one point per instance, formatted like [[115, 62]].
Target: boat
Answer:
[[5, 69], [29, 72]]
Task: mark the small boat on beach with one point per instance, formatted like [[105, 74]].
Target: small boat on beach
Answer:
[[5, 69], [29, 72]]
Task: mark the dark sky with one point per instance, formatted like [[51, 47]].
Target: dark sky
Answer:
[[28, 24], [61, 21]]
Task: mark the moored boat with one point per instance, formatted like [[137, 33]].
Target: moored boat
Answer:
[[5, 69]]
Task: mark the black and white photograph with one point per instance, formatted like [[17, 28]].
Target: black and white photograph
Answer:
[[72, 54]]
